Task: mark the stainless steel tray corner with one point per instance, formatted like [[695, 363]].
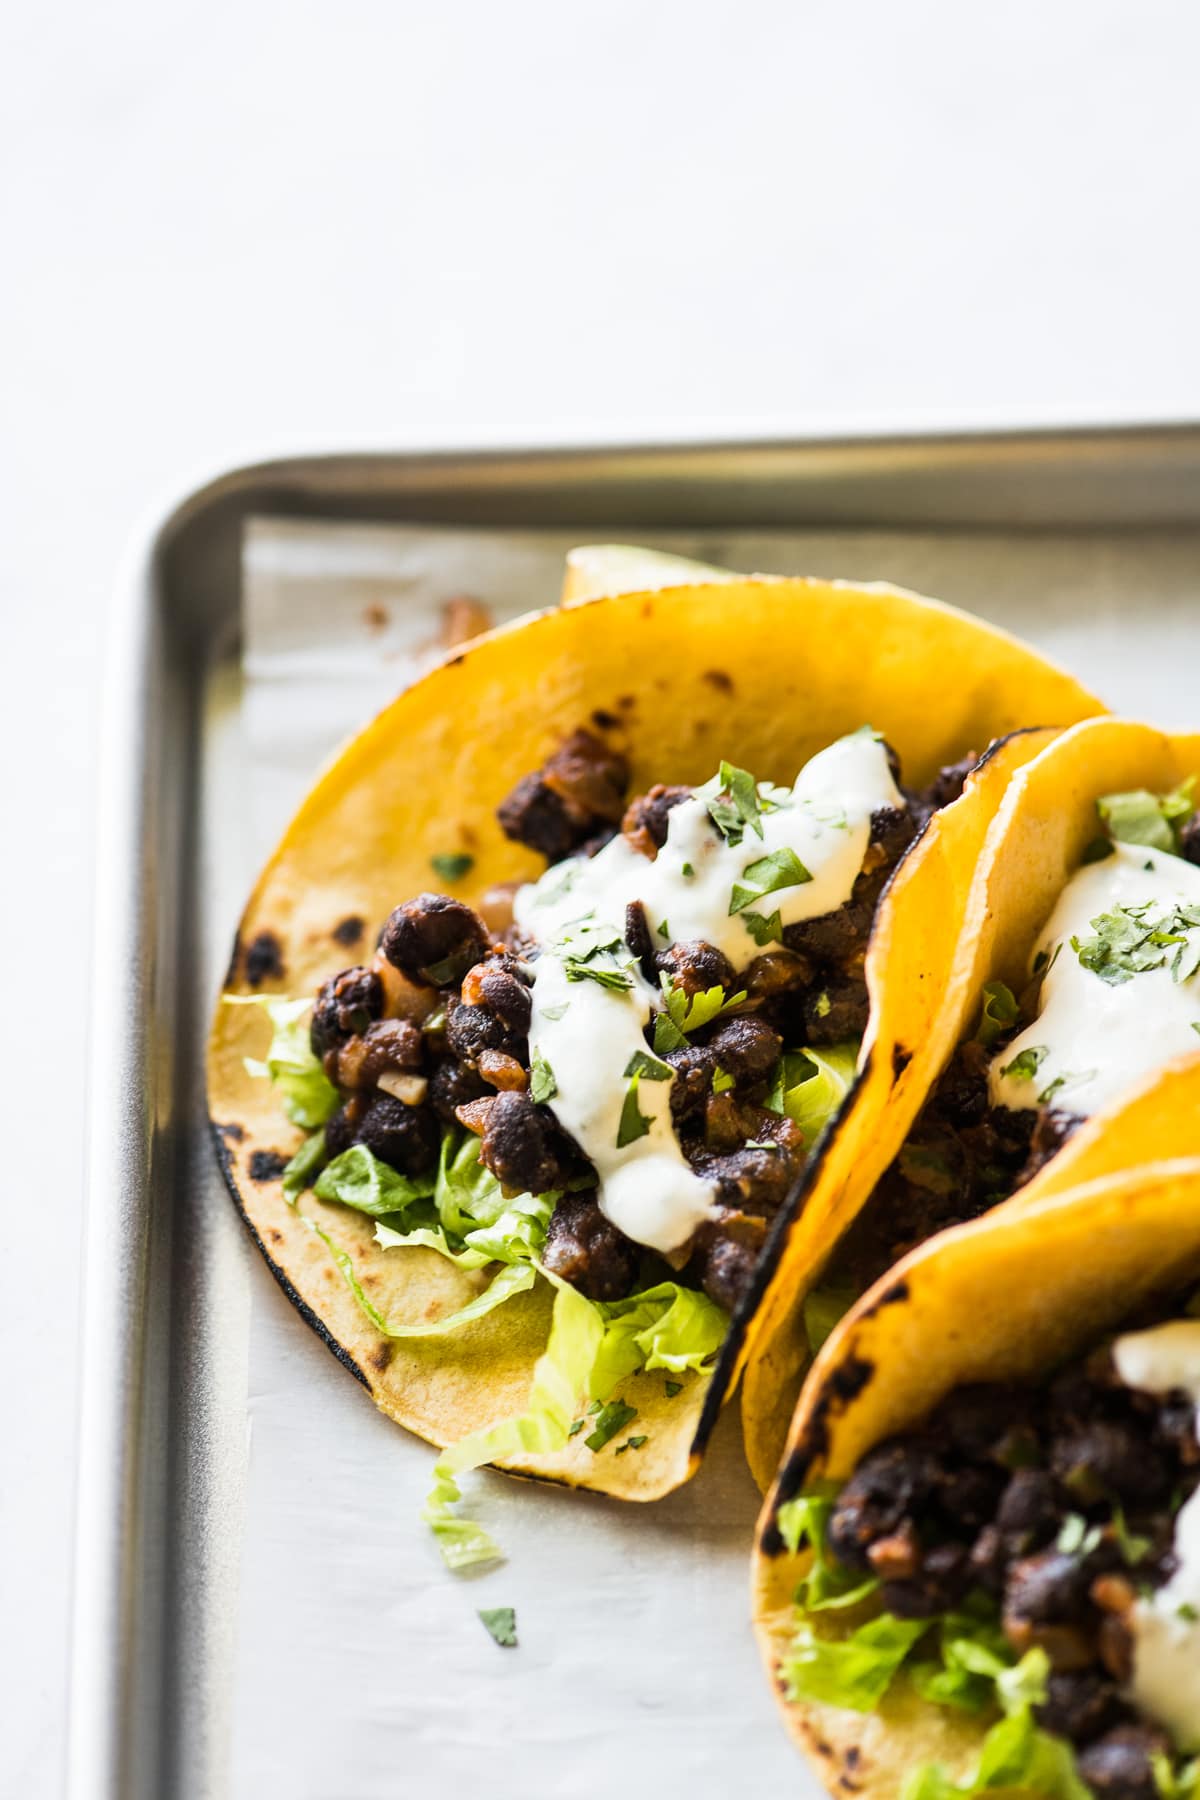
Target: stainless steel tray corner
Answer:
[[159, 1443]]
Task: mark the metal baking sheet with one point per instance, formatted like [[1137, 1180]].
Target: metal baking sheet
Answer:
[[254, 1607]]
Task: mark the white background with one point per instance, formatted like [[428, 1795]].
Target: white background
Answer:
[[235, 226]]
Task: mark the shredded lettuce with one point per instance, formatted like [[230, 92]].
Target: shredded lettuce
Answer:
[[1176, 1784], [664, 1327], [357, 1178], [824, 1308], [304, 1165], [999, 1011], [308, 1095], [810, 1086], [592, 1347], [1015, 1754], [855, 1671], [1140, 817], [514, 1278], [827, 1584]]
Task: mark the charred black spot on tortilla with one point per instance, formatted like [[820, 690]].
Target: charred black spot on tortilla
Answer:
[[381, 1355], [849, 1379], [264, 959], [267, 1165], [627, 702], [235, 956], [348, 930], [301, 1305], [605, 721], [850, 1787], [900, 1060], [890, 1297], [276, 1236], [719, 679], [455, 660], [852, 1756], [233, 1130]]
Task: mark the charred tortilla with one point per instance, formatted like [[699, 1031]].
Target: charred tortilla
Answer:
[[770, 671]]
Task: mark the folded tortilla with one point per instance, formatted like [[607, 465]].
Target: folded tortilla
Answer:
[[1005, 1298], [766, 671], [1029, 849]]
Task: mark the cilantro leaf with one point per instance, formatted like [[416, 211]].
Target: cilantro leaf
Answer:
[[578, 969], [1026, 1063], [780, 869], [764, 928], [642, 1063], [733, 803], [501, 1624], [452, 865], [542, 1085], [683, 1014], [633, 1123], [721, 1082], [612, 1417]]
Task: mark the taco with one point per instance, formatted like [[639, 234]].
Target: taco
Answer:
[[1074, 995], [979, 1569], [520, 1161]]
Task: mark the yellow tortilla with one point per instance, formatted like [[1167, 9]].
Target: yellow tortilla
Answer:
[[1014, 874], [1004, 1298], [765, 672]]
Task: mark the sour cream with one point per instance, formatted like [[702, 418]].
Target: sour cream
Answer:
[[1092, 1038], [589, 1034], [1166, 1625]]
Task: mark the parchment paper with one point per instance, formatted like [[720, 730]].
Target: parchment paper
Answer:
[[361, 1667]]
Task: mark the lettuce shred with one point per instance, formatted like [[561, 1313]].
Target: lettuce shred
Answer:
[[810, 1086], [1155, 820], [461, 1212], [308, 1095]]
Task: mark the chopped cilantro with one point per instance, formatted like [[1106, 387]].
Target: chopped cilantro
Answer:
[[633, 1443], [575, 1427], [452, 866], [1187, 1612], [664, 931], [673, 1388], [576, 969], [1077, 1537], [542, 1085], [634, 1124], [999, 1012], [781, 869], [1131, 940], [764, 928], [642, 1063], [1025, 1065], [1099, 850], [733, 803], [610, 1419], [823, 1006], [721, 1082], [687, 870], [683, 1015], [594, 1407], [556, 1012], [1061, 1081], [1132, 1545], [1196, 1024], [501, 1622]]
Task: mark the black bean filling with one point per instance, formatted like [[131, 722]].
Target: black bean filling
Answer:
[[460, 1053], [1058, 1502]]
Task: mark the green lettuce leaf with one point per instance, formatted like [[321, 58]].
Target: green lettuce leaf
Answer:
[[357, 1178], [810, 1086], [827, 1584], [999, 1011], [1015, 1754], [855, 1671], [514, 1278], [308, 1095], [1155, 820], [562, 1373], [664, 1327], [304, 1165]]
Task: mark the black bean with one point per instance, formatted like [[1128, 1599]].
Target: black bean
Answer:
[[434, 940], [407, 1138], [524, 1148], [584, 1248], [344, 1007]]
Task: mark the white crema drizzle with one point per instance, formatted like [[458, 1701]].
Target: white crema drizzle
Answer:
[[587, 1034], [1092, 1038], [1166, 1624]]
